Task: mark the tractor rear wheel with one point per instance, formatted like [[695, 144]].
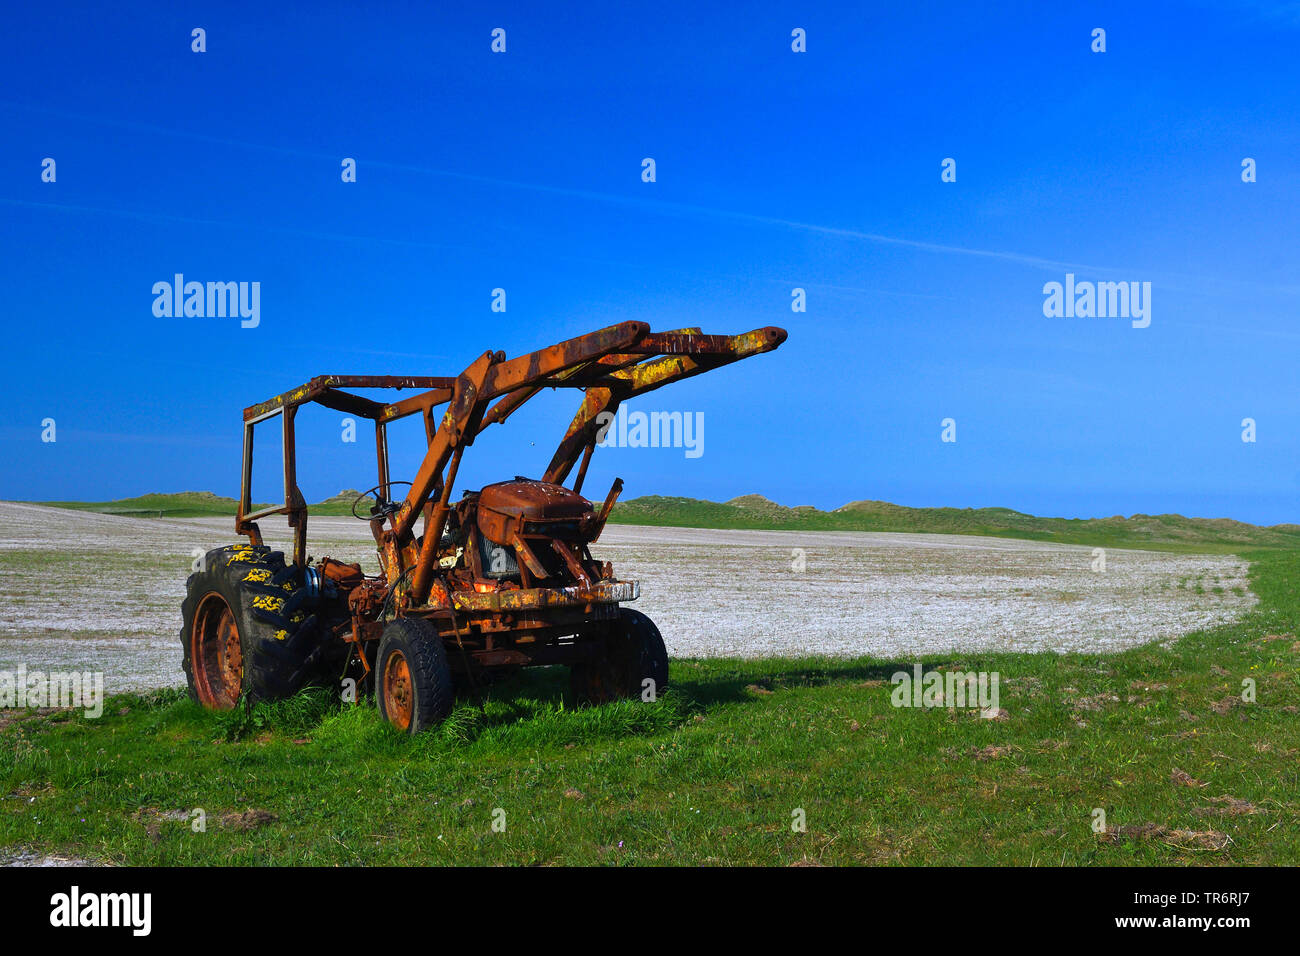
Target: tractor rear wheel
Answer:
[[631, 662], [247, 629], [412, 678]]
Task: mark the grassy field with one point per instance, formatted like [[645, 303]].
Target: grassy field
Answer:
[[1154, 532], [193, 504], [714, 772]]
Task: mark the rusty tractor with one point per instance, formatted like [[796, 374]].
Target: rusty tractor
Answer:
[[468, 590]]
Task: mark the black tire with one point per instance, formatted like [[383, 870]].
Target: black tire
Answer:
[[631, 654], [422, 696], [281, 634]]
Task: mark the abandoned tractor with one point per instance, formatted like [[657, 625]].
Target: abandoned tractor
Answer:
[[468, 590]]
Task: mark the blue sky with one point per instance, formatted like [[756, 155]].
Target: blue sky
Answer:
[[775, 170]]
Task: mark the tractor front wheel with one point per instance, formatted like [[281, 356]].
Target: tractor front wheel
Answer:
[[630, 662], [412, 678]]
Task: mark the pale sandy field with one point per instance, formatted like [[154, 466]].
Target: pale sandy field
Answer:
[[98, 592]]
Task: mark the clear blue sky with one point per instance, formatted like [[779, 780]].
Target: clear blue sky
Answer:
[[775, 170]]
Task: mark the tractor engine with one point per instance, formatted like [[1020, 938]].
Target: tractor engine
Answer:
[[531, 534]]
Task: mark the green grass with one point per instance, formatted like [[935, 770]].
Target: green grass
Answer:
[[189, 504], [1155, 532], [713, 771], [186, 504]]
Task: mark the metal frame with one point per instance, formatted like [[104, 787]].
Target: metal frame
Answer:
[[611, 366]]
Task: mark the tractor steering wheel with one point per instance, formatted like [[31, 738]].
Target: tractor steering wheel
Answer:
[[382, 508]]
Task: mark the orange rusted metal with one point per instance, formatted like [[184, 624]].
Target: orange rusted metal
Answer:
[[505, 576], [216, 653], [399, 695]]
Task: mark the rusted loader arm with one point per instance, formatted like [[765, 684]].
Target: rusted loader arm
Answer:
[[686, 353], [611, 365]]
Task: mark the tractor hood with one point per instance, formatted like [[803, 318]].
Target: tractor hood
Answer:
[[533, 500], [525, 506]]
